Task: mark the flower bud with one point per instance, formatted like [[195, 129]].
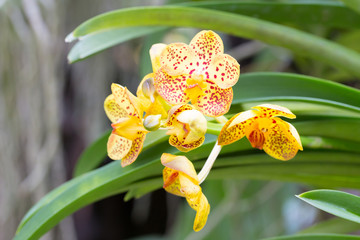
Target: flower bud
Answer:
[[152, 122]]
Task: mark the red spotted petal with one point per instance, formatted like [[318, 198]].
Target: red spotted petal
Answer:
[[135, 149], [125, 100], [235, 128], [185, 147], [113, 110], [279, 141], [272, 110], [215, 101], [206, 45], [175, 111], [176, 58], [171, 88], [224, 70], [118, 147]]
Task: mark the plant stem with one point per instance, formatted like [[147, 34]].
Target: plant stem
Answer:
[[209, 163]]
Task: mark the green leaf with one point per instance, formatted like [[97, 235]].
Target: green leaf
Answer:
[[333, 225], [97, 151], [236, 161], [234, 24], [316, 237], [339, 203], [92, 44], [354, 4], [326, 13], [92, 156], [255, 87]]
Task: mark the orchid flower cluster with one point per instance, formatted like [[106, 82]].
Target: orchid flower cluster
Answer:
[[190, 82]]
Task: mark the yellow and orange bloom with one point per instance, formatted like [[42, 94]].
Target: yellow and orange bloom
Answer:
[[151, 101], [199, 72], [187, 127], [180, 179], [265, 130], [128, 135]]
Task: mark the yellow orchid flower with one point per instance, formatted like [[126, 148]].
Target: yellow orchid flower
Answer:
[[151, 101], [187, 127], [199, 72], [128, 135], [180, 179], [264, 130]]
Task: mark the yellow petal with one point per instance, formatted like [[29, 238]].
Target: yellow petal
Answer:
[[190, 189], [279, 141], [224, 70], [196, 123], [296, 135], [215, 101], [185, 147], [272, 110], [155, 53], [176, 57], [129, 127], [172, 182], [171, 88], [175, 111], [159, 106], [146, 88], [125, 100], [113, 110], [135, 149], [118, 147], [202, 213], [206, 45], [181, 164], [235, 128]]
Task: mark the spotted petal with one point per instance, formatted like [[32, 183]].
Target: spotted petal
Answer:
[[113, 110], [185, 147], [272, 110], [135, 149], [201, 213], [125, 100], [118, 147], [215, 101], [177, 58], [179, 163], [280, 142], [235, 128], [206, 45], [224, 70], [171, 88]]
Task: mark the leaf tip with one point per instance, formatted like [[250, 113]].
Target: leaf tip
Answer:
[[70, 37]]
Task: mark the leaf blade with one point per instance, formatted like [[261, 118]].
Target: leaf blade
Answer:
[[338, 203]]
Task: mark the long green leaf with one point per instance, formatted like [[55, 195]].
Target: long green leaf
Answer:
[[326, 13], [112, 179], [333, 225], [354, 4], [255, 87], [234, 24], [339, 203], [316, 237], [95, 43]]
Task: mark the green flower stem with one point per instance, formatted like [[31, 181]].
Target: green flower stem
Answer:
[[214, 128]]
